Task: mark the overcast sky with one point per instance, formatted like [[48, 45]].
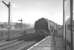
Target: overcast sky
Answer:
[[31, 10]]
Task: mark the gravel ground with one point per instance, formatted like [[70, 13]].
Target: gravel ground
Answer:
[[19, 45]]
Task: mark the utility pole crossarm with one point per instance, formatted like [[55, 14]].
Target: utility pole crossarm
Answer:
[[8, 5]]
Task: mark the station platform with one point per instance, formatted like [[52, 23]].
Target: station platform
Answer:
[[49, 43]]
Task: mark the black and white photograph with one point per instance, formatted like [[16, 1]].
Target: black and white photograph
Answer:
[[36, 24]]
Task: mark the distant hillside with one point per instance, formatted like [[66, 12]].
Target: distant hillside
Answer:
[[14, 26]]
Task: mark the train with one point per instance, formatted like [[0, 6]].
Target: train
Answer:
[[41, 31]]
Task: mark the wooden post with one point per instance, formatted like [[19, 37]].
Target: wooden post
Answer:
[[9, 22], [8, 6], [71, 21], [64, 24]]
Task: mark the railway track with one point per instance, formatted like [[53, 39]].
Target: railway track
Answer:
[[16, 45]]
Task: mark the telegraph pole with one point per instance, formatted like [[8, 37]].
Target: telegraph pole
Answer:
[[63, 19], [8, 6], [64, 24], [71, 21]]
